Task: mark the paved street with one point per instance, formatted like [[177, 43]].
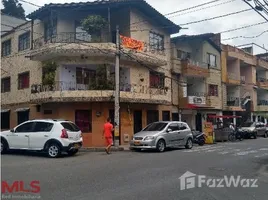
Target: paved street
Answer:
[[145, 175]]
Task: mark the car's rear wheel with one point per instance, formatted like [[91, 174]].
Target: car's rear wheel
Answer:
[[53, 150], [161, 145], [4, 146], [255, 135], [189, 144], [265, 134], [72, 152]]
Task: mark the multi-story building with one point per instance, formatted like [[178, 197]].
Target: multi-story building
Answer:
[[196, 63], [51, 68], [8, 22], [244, 79]]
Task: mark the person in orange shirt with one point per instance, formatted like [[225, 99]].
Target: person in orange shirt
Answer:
[[107, 133]]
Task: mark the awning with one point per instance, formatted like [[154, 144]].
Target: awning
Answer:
[[5, 110], [193, 106], [223, 116], [22, 109]]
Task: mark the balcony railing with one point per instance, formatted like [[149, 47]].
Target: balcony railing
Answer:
[[72, 86], [196, 63], [73, 37], [260, 79], [263, 103], [233, 101], [198, 94]]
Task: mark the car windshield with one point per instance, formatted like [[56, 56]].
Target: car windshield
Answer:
[[248, 124], [156, 126]]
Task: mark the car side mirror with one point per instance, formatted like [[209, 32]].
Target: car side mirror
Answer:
[[12, 131], [169, 130]]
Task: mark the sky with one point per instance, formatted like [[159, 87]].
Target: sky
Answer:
[[216, 25]]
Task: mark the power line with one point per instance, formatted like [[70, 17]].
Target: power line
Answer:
[[256, 10], [220, 16], [202, 8], [256, 36]]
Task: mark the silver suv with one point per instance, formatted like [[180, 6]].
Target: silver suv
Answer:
[[163, 134]]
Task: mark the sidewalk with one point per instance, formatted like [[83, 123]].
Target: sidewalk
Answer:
[[102, 149]]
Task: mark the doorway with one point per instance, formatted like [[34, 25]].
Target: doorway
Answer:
[[165, 115], [23, 116], [137, 115], [175, 117], [198, 122], [152, 116]]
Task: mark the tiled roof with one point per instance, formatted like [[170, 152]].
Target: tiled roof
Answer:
[[142, 5]]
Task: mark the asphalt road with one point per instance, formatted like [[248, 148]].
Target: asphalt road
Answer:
[[145, 175]]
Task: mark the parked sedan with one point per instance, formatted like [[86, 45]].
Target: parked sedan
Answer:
[[253, 129], [163, 134]]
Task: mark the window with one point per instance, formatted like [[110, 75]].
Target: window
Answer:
[[83, 119], [5, 120], [166, 115], [6, 48], [43, 127], [174, 127], [156, 41], [157, 126], [213, 90], [84, 76], [25, 128], [70, 126], [183, 55], [212, 60], [5, 84], [157, 80], [183, 126], [50, 29], [152, 116], [24, 41], [24, 80]]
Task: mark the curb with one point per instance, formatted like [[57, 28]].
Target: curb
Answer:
[[102, 149]]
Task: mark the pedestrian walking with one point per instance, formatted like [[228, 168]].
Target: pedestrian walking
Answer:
[[107, 133]]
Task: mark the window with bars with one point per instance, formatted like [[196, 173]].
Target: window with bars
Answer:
[[5, 84], [6, 48], [24, 41], [213, 90], [157, 80], [83, 119], [23, 80], [85, 76], [156, 41]]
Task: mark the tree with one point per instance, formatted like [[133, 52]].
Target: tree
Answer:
[[13, 8]]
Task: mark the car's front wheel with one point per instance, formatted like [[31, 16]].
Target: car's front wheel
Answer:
[[189, 144], [161, 145], [72, 152], [265, 134], [53, 150]]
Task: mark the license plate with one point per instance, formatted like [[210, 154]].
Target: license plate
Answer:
[[137, 142], [76, 146]]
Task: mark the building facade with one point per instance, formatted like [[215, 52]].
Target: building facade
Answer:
[[54, 69], [196, 62], [244, 79]]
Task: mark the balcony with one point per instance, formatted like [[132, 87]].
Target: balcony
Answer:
[[195, 100], [233, 103], [71, 44], [262, 83], [233, 78], [73, 92], [262, 105], [263, 63], [194, 69]]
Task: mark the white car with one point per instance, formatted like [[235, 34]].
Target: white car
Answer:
[[50, 136]]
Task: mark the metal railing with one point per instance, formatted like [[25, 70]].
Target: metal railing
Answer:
[[73, 86], [196, 63], [243, 79], [233, 101], [261, 79], [263, 103], [197, 94], [73, 37]]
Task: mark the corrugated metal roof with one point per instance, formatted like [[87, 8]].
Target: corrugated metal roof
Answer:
[[140, 4]]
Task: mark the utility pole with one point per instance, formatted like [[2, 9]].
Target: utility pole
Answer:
[[117, 89]]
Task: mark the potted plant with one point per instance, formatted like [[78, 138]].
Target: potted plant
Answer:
[[49, 73]]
